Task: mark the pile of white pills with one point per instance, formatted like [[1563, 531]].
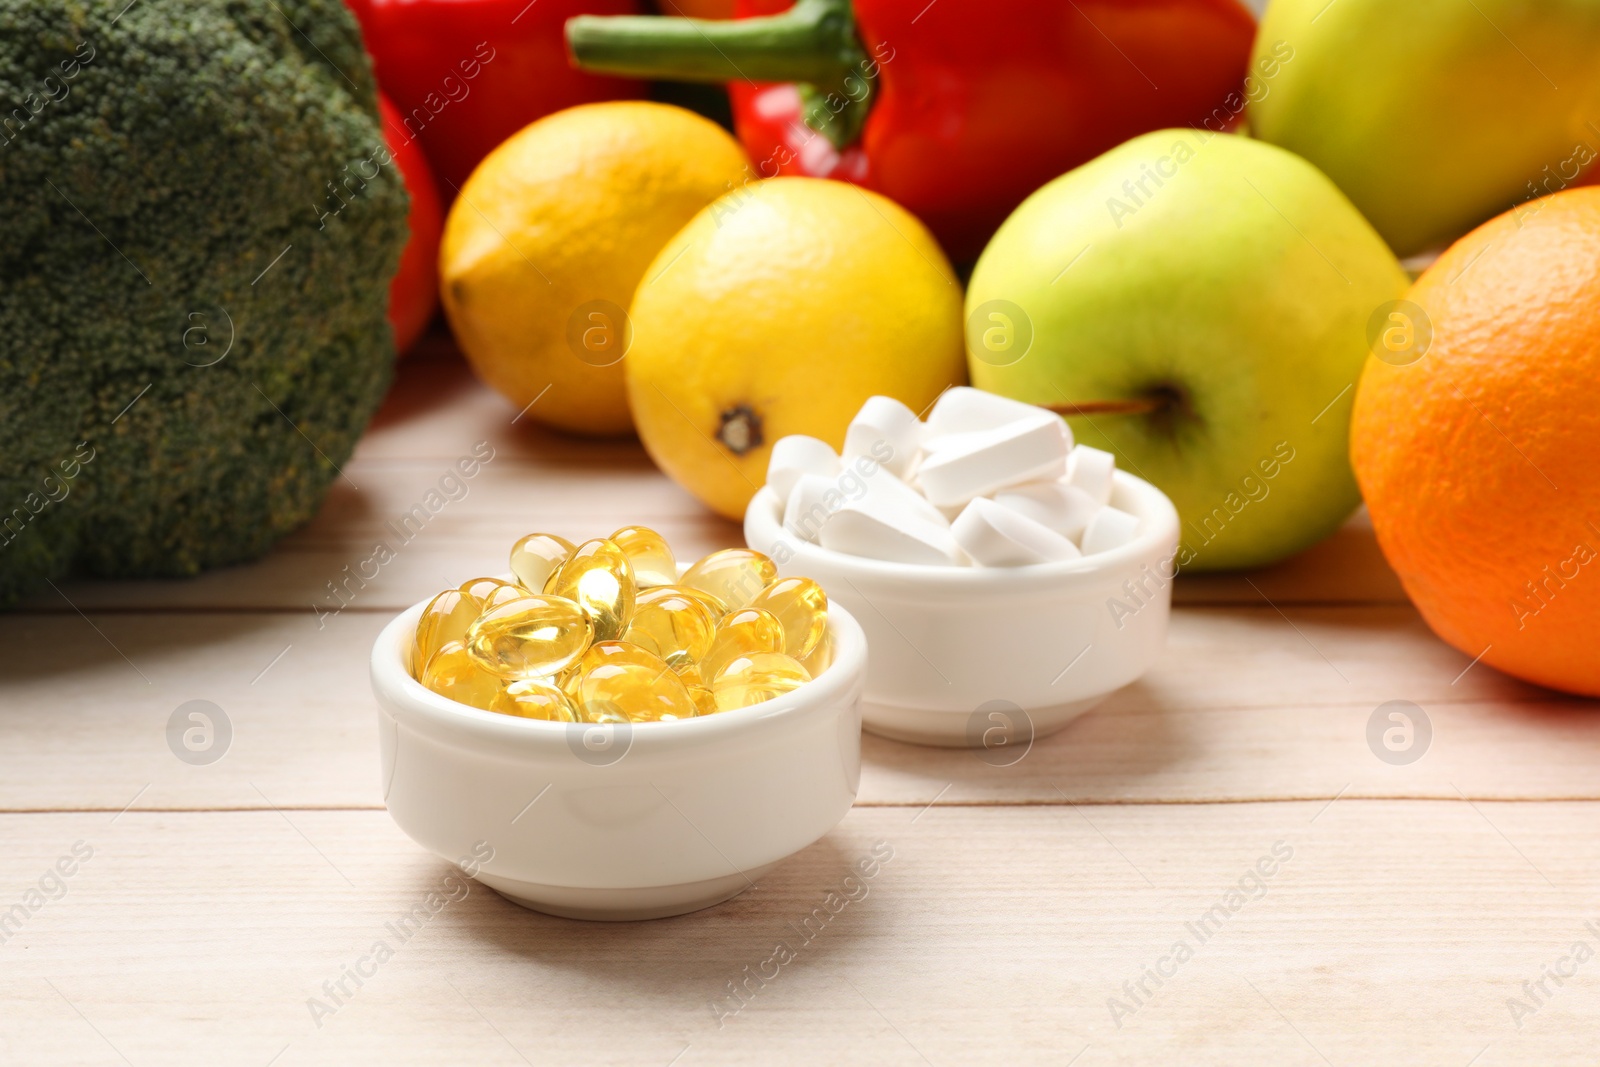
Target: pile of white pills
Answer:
[[986, 481]]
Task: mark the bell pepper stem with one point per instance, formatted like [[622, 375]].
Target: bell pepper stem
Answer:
[[813, 43]]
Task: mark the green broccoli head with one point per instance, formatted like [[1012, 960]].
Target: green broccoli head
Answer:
[[200, 223]]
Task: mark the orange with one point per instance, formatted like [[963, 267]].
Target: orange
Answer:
[[1480, 459]]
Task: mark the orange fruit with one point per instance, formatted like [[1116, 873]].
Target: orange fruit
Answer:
[[1478, 452]]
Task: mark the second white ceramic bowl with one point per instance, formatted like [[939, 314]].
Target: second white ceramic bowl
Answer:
[[980, 656], [624, 822]]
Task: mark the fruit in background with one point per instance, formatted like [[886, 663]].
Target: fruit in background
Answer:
[[1434, 115], [696, 9], [1475, 443], [1203, 301], [779, 310], [183, 376], [956, 111], [549, 238], [414, 293], [467, 74]]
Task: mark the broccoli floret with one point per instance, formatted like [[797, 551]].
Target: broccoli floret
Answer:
[[198, 224]]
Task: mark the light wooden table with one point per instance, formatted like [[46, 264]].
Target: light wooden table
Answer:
[[1015, 921]]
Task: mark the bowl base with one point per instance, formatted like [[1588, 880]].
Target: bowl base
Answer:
[[622, 905], [955, 729]]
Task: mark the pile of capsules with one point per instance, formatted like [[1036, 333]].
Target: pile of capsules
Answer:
[[987, 481], [607, 632]]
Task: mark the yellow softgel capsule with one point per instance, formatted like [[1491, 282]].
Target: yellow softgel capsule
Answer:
[[628, 692], [599, 579], [741, 633], [483, 588], [445, 619], [455, 674], [673, 625], [535, 698], [534, 559], [620, 652], [732, 575], [821, 657], [802, 607], [648, 552], [757, 678], [705, 701], [534, 636]]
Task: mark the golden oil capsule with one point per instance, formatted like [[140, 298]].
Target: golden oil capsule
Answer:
[[714, 607], [628, 692], [821, 657], [741, 633], [673, 625], [732, 575], [757, 678], [455, 674], [534, 636], [802, 607], [535, 698], [599, 579], [648, 552], [445, 619], [534, 559], [705, 701], [483, 588], [602, 652]]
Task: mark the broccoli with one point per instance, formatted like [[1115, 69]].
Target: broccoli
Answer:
[[200, 221]]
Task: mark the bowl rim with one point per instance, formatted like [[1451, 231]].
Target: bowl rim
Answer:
[[395, 687], [764, 522]]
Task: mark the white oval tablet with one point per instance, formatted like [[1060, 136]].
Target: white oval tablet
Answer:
[[996, 536], [1064, 508], [1028, 451], [795, 455], [965, 409], [810, 505], [896, 493], [887, 431], [867, 527], [1090, 469], [1110, 528]]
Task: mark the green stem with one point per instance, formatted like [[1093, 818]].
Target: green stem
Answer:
[[814, 43]]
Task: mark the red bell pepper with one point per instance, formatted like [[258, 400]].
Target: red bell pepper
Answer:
[[467, 74], [414, 293], [957, 109]]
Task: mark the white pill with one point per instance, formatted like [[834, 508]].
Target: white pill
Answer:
[[867, 527], [965, 409], [796, 455], [996, 536], [811, 503], [887, 431], [1029, 451], [1064, 508], [1090, 469], [898, 494], [1110, 528]]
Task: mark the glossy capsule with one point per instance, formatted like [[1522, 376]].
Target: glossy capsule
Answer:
[[603, 652], [705, 701], [648, 552], [757, 678], [534, 559], [456, 675], [802, 607], [535, 698], [741, 633], [732, 575], [484, 588], [673, 625], [627, 692], [534, 636], [445, 619], [821, 657], [599, 579]]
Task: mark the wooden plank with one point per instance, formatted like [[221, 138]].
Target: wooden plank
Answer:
[[1245, 704], [1386, 932]]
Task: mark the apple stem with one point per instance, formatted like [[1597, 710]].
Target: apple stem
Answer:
[[1110, 407]]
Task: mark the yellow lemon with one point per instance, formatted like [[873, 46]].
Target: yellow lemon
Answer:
[[779, 310], [548, 238]]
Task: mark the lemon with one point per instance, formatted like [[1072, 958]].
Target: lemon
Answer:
[[778, 310], [548, 238]]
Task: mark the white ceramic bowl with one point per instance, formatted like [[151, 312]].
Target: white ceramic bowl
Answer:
[[985, 657], [625, 822]]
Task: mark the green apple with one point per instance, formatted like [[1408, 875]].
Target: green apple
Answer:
[[1205, 301], [1432, 115]]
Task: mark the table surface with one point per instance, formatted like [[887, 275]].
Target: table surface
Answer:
[[1438, 912]]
